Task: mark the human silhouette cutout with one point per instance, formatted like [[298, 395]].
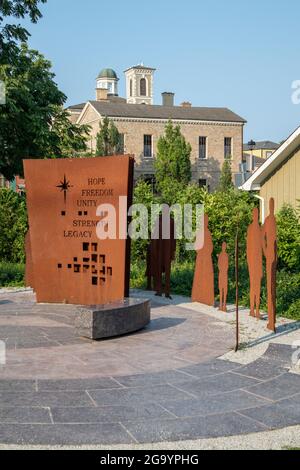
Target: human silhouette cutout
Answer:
[[269, 243], [160, 254], [29, 278], [203, 286], [255, 262], [223, 264]]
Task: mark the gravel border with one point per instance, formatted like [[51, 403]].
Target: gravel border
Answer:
[[282, 439]]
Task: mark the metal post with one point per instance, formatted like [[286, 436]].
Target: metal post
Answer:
[[237, 288]]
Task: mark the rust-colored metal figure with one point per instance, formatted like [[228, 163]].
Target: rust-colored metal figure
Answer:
[[223, 264], [161, 253], [269, 243], [255, 263], [29, 278], [203, 286]]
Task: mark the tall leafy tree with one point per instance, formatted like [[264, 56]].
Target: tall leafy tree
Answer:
[[11, 34], [33, 123], [226, 183], [109, 140], [173, 157]]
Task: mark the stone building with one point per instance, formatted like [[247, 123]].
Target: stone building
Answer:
[[215, 134]]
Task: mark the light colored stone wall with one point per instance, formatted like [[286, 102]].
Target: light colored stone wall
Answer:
[[209, 168]]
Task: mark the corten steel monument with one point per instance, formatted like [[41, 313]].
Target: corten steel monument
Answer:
[[160, 254], [66, 261], [69, 263], [223, 265], [203, 285], [269, 243], [255, 263]]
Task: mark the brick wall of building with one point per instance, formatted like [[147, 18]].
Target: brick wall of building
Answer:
[[209, 169]]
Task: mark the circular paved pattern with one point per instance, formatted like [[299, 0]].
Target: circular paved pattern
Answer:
[[164, 383]]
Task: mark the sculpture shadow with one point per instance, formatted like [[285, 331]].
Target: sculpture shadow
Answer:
[[3, 302], [162, 323]]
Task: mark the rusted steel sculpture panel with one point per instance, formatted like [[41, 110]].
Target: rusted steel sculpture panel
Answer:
[[70, 263], [255, 263], [29, 278], [269, 244], [203, 286], [223, 265], [160, 254]]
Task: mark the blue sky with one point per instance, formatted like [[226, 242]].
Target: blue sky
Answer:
[[243, 55]]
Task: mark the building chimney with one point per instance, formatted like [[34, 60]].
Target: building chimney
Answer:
[[167, 98], [101, 94], [186, 104]]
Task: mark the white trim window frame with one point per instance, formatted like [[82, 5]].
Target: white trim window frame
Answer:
[[228, 155], [148, 147], [200, 147]]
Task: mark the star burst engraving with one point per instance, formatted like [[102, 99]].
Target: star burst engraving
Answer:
[[64, 186]]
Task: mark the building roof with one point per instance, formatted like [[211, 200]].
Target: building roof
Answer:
[[141, 66], [274, 162], [107, 73], [142, 111], [263, 145], [76, 107]]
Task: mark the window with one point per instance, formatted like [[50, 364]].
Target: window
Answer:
[[150, 179], [202, 147], [130, 88], [121, 146], [143, 87], [148, 146], [202, 183], [228, 147]]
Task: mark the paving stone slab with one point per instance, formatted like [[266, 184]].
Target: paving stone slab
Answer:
[[108, 414], [262, 369], [153, 394], [277, 415], [280, 353], [211, 368], [217, 384], [62, 434], [25, 415], [140, 380], [223, 403], [192, 428], [55, 398], [17, 385], [77, 384], [283, 386]]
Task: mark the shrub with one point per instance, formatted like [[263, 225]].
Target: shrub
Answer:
[[288, 239], [13, 226], [11, 275]]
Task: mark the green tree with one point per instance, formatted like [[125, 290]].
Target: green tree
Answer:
[[109, 140], [11, 34], [288, 225], [226, 183], [173, 157], [13, 226], [33, 123], [142, 195]]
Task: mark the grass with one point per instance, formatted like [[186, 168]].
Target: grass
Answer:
[[288, 286], [11, 275]]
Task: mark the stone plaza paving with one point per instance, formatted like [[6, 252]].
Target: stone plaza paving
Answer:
[[164, 383]]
